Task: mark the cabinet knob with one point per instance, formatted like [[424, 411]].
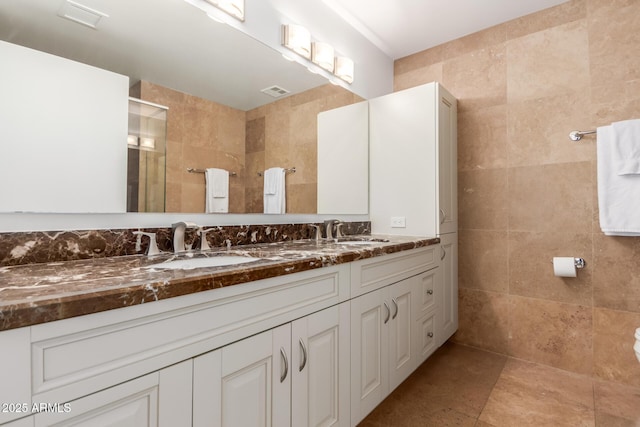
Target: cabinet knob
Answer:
[[430, 334], [430, 291]]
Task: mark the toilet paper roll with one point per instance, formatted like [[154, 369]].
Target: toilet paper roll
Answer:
[[564, 266]]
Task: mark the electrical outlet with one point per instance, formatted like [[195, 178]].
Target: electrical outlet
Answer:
[[398, 222]]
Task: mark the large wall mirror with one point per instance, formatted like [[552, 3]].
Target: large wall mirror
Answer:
[[233, 102]]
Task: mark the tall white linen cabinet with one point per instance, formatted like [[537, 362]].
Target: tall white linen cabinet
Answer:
[[413, 191]]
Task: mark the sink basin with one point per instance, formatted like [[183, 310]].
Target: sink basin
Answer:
[[191, 263], [359, 240]]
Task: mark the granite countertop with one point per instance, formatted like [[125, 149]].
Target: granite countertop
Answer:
[[39, 293]]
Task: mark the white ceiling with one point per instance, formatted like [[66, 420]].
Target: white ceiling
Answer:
[[403, 27]]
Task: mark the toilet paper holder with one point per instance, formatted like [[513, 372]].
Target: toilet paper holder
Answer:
[[578, 262]]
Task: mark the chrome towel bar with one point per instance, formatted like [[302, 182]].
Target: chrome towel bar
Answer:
[[577, 135]]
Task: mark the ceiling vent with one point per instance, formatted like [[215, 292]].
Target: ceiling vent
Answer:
[[81, 14], [275, 91]]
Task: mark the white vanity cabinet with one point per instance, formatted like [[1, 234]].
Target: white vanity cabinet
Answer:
[[161, 398], [317, 348], [294, 375], [393, 328]]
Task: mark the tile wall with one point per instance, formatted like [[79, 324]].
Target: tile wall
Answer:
[[527, 193]]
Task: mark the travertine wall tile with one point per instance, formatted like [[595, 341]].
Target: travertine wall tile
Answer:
[[486, 260], [529, 193], [551, 333], [614, 358]]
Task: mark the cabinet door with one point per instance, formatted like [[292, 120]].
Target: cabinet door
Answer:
[[320, 368], [369, 352], [447, 163], [134, 403], [401, 356], [449, 302], [246, 383]]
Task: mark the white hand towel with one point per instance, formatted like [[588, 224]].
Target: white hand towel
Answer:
[[274, 191], [626, 146], [217, 190], [618, 195]]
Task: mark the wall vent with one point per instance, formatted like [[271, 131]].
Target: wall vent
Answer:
[[275, 91], [81, 14]]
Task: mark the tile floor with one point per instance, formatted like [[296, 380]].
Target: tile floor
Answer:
[[464, 386]]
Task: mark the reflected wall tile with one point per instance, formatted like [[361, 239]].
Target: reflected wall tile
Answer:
[[538, 130], [302, 198], [478, 78], [616, 275], [483, 199], [551, 333], [483, 260], [555, 197], [303, 122], [230, 131], [192, 198], [613, 339], [305, 159], [482, 138], [482, 320], [616, 404], [548, 63], [529, 394], [531, 268], [255, 132]]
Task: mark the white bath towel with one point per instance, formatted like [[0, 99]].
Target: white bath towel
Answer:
[[274, 191], [217, 190], [626, 146], [618, 195]]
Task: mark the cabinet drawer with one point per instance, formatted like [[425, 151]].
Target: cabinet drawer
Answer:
[[428, 292], [425, 337], [74, 357], [374, 273]]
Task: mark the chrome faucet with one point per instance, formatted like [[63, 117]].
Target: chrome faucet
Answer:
[[179, 229], [328, 227]]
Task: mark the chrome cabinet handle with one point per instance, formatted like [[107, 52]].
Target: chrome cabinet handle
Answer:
[[395, 303], [304, 355], [286, 364], [443, 216], [429, 291], [430, 334], [388, 312], [444, 253]]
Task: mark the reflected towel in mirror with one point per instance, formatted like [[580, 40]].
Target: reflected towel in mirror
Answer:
[[217, 190]]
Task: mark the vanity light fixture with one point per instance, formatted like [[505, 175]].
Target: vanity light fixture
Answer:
[[344, 68], [298, 39], [323, 55], [132, 140], [234, 8]]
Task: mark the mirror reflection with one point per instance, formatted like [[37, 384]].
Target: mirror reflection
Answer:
[[210, 77]]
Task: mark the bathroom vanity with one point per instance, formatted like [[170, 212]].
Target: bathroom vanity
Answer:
[[310, 333]]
